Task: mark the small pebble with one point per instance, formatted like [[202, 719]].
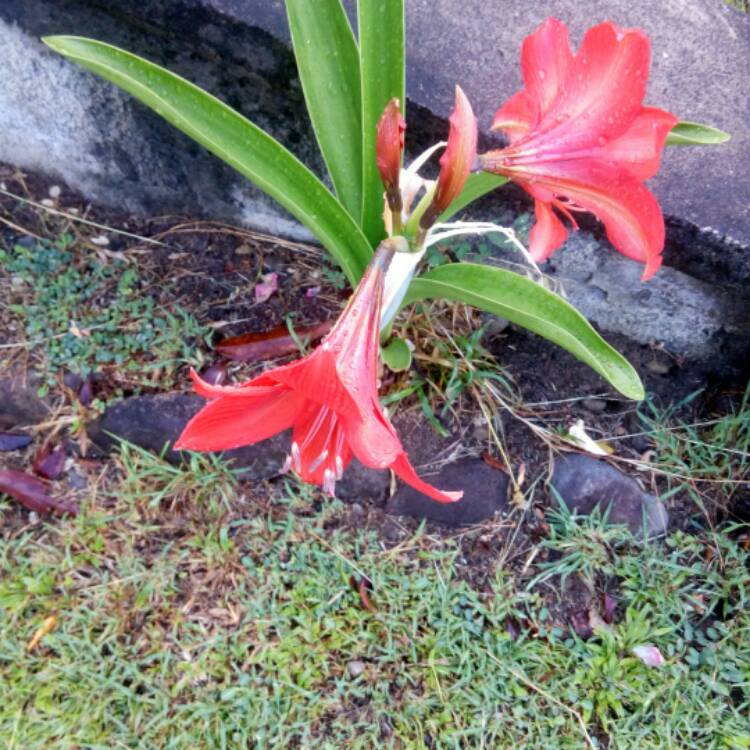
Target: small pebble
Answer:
[[100, 240], [658, 368], [54, 191], [594, 405], [48, 202], [355, 668]]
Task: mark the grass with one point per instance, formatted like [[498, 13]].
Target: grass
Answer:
[[192, 613]]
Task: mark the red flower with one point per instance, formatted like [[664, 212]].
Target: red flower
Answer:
[[329, 398], [457, 159], [581, 140], [389, 145]]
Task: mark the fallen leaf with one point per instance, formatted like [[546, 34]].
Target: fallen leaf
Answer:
[[577, 434], [313, 291], [215, 374], [32, 493], [361, 586], [49, 461], [495, 463], [10, 441], [255, 347], [649, 655], [86, 392], [267, 287], [44, 629]]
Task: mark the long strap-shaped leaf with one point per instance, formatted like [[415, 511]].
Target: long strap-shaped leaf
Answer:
[[233, 138], [381, 44], [328, 63], [527, 304]]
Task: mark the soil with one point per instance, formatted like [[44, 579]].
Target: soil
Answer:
[[211, 270]]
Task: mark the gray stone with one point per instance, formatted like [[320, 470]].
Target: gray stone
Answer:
[[152, 422], [20, 403], [355, 668], [485, 493], [585, 483]]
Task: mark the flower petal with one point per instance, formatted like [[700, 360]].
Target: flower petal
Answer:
[[403, 469], [241, 419], [630, 213], [547, 234], [546, 59], [373, 438], [457, 159], [605, 86], [389, 145], [639, 148], [517, 116], [318, 444]]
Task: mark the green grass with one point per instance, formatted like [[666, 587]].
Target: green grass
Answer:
[[194, 615]]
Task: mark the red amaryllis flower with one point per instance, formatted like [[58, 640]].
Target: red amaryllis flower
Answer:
[[580, 139], [457, 159], [329, 398], [389, 145]]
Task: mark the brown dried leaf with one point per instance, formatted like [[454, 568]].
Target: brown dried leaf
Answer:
[[32, 493], [49, 461], [255, 347]]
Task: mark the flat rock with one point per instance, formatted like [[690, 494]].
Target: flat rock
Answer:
[[154, 422], [485, 493], [20, 402], [585, 483]]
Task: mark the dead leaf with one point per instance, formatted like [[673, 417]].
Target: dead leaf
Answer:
[[215, 374], [44, 629], [361, 586], [495, 463], [10, 441], [581, 623], [32, 493], [49, 461], [256, 347], [609, 605]]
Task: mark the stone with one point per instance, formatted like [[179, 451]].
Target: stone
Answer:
[[585, 483], [152, 422], [355, 668], [20, 402], [485, 493]]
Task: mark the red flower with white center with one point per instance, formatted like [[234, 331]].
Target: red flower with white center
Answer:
[[329, 398], [581, 140]]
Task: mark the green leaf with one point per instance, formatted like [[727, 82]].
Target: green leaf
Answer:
[[694, 134], [397, 355], [478, 184], [233, 138], [328, 63], [527, 304], [382, 44]]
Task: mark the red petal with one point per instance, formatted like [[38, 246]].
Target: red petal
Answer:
[[546, 60], [372, 437], [319, 439], [630, 213], [403, 468], [547, 234], [639, 148], [603, 93], [458, 158], [246, 418], [517, 116], [389, 145]]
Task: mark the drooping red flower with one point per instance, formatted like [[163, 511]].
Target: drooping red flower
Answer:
[[389, 145], [581, 140], [329, 398]]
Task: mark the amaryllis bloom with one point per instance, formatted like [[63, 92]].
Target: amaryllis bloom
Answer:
[[457, 159], [581, 140], [389, 145], [329, 398]]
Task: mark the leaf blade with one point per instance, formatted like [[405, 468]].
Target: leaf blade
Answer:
[[382, 45], [232, 138], [530, 305], [328, 63], [687, 133]]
